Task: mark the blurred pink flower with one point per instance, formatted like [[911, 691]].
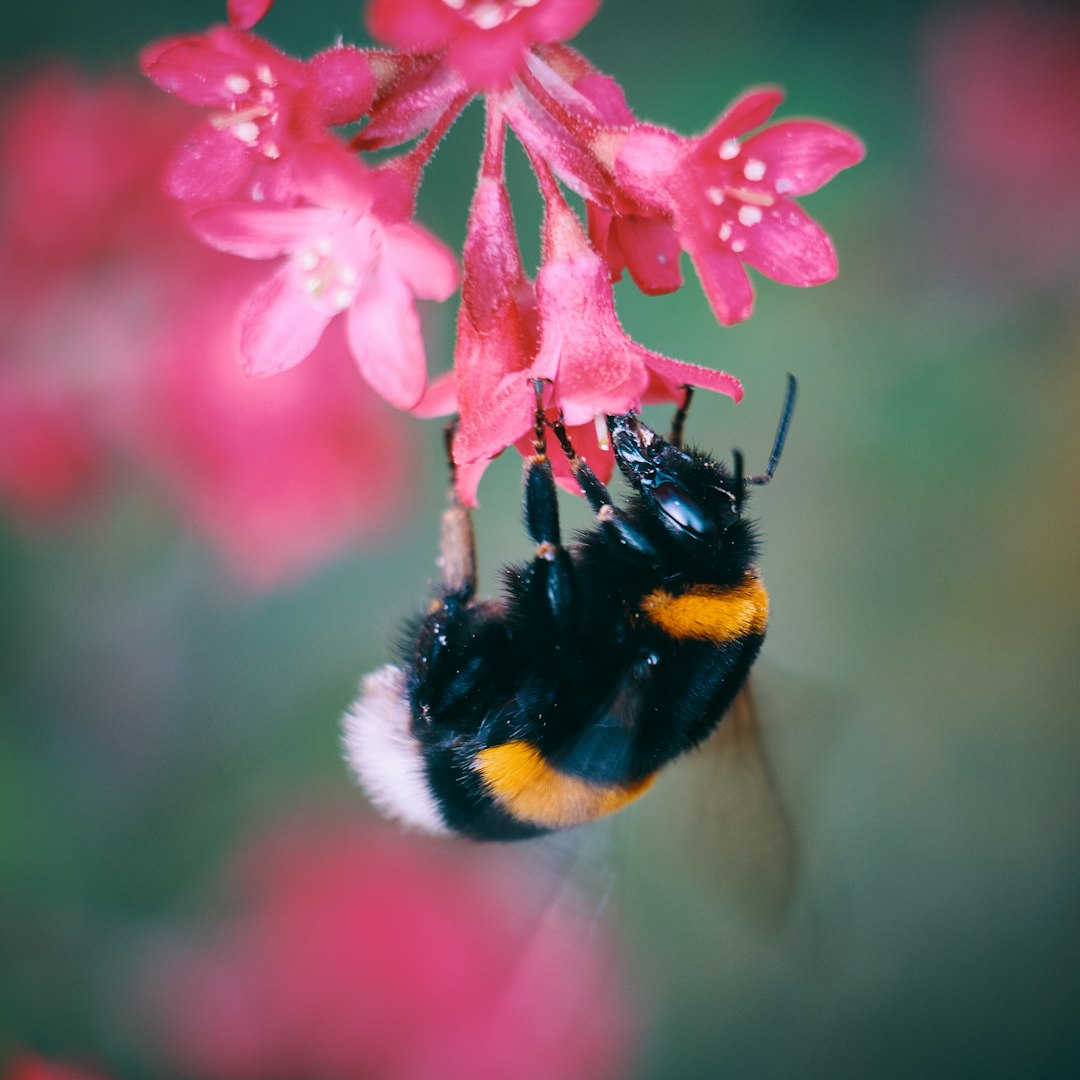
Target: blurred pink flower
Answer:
[[123, 347], [357, 952], [265, 104], [345, 254], [281, 474], [28, 1066], [730, 200], [1004, 95], [486, 41]]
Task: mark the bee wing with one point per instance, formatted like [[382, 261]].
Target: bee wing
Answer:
[[752, 852], [715, 825]]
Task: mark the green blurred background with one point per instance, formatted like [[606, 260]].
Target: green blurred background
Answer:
[[918, 686]]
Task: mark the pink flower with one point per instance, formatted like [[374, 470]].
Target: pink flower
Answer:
[[279, 474], [342, 257], [50, 450], [486, 41], [730, 201], [1004, 90], [592, 366], [357, 952], [265, 104]]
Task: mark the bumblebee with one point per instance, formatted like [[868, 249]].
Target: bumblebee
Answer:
[[602, 661]]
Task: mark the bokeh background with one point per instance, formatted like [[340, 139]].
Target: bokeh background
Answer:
[[189, 884]]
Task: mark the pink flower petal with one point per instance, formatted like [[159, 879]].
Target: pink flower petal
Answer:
[[440, 397], [802, 155], [259, 232], [652, 251], [489, 59], [208, 167], [499, 422], [244, 14], [647, 160], [279, 326], [492, 259], [725, 283], [344, 84], [749, 111], [676, 373], [412, 25], [193, 69], [412, 107], [384, 335], [424, 263], [790, 247], [560, 20]]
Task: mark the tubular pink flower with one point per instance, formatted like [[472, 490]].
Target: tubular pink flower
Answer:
[[485, 40], [265, 104], [730, 200], [341, 257]]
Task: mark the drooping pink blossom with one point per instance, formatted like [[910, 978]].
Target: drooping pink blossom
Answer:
[[264, 104], [353, 952], [486, 41], [730, 197], [589, 362], [341, 257]]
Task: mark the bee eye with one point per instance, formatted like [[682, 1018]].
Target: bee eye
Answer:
[[683, 510]]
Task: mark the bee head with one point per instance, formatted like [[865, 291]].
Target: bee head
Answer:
[[692, 496]]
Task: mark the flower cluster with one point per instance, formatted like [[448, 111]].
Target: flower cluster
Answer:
[[116, 347], [266, 176]]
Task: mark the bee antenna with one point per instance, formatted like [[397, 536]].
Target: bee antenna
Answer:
[[739, 481], [781, 434]]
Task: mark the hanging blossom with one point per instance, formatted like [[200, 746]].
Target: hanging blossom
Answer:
[[347, 242]]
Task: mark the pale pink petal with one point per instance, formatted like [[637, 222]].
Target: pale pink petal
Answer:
[[648, 158], [260, 232], [749, 111], [676, 373], [424, 263], [326, 174], [208, 167], [279, 325], [440, 397], [244, 14], [193, 69], [725, 283], [790, 247], [344, 84], [467, 479], [802, 155], [384, 335]]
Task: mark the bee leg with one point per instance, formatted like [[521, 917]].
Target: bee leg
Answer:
[[552, 570], [457, 541], [597, 494], [678, 421]]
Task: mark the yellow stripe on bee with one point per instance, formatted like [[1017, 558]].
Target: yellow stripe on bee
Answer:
[[529, 789], [714, 613]]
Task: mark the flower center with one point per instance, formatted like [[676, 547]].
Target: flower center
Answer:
[[253, 112], [737, 193], [488, 14]]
